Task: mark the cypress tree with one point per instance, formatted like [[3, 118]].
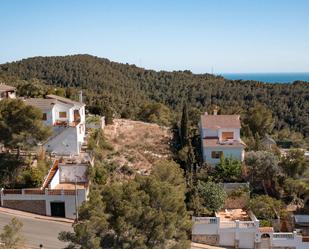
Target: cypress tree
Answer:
[[184, 131]]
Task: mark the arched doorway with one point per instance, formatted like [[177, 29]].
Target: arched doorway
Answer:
[[265, 236], [265, 241]]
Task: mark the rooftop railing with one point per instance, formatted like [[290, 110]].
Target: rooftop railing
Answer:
[[285, 236], [246, 224], [227, 224], [205, 220], [5, 192]]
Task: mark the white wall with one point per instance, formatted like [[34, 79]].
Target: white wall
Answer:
[[227, 238], [50, 116], [82, 115], [69, 200], [12, 95], [209, 133], [200, 228], [81, 131], [246, 239], [236, 153], [68, 173], [292, 240], [61, 107], [56, 180]]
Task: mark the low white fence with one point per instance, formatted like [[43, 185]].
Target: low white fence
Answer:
[[283, 236], [289, 240], [205, 225], [205, 220]]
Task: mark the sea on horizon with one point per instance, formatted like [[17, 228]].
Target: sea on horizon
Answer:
[[268, 77]]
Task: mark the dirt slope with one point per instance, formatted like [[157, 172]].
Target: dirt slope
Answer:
[[138, 145]]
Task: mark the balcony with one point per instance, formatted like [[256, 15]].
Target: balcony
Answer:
[[66, 123]]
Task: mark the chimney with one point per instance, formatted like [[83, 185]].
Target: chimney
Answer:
[[216, 110], [80, 94]]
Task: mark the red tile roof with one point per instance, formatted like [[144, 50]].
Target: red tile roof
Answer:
[[220, 121]]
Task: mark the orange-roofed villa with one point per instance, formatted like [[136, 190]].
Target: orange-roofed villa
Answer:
[[220, 135]]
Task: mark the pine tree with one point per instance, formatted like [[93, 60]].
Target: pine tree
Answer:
[[184, 129]]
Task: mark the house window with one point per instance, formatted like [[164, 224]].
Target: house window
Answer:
[[216, 154], [44, 117], [227, 135], [62, 114]]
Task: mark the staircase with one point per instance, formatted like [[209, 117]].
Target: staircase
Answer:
[[51, 174]]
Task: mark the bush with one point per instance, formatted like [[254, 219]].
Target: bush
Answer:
[[229, 169], [11, 237], [266, 208], [34, 176], [239, 192], [212, 194], [265, 223], [156, 113]]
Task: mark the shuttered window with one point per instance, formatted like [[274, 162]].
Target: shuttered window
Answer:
[[216, 154], [227, 135], [62, 114]]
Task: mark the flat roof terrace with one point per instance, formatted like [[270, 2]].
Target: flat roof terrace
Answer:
[[233, 214], [70, 186]]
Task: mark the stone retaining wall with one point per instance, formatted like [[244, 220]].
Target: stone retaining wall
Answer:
[[33, 206], [212, 240]]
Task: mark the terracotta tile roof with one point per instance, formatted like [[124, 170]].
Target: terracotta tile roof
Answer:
[[214, 142], [220, 121], [43, 104], [64, 100], [266, 230], [5, 88]]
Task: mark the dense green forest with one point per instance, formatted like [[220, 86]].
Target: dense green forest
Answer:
[[126, 90]]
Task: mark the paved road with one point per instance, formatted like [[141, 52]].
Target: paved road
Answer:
[[202, 246], [38, 231]]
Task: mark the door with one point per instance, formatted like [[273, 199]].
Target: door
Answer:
[[57, 209], [265, 241], [76, 116]]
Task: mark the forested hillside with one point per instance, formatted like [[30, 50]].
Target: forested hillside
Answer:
[[126, 89]]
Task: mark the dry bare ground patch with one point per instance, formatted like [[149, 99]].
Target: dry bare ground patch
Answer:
[[137, 145]]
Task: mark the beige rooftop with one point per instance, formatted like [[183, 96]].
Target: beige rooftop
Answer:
[[6, 88], [220, 121], [64, 100], [233, 214], [43, 104]]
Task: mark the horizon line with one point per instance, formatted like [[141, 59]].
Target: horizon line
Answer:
[[158, 70]]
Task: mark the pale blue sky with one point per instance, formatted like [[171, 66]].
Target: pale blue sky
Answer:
[[229, 35]]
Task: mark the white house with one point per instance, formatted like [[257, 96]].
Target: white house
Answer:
[[7, 92], [67, 117], [220, 136], [64, 189], [236, 228]]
